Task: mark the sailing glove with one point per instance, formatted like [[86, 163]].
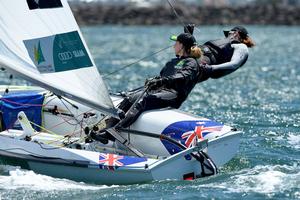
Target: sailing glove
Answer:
[[189, 28], [155, 83]]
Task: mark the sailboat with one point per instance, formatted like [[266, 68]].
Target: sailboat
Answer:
[[41, 42]]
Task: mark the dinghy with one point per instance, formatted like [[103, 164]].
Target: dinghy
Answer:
[[46, 128]]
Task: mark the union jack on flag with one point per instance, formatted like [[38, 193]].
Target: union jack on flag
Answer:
[[191, 137], [110, 161]]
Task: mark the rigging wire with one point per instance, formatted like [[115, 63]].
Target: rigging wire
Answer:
[[175, 13], [135, 62], [148, 56], [179, 18]]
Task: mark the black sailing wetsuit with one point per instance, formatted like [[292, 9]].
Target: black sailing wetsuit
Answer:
[[180, 75]]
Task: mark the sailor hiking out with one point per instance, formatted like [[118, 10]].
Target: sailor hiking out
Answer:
[[193, 64], [224, 56], [170, 89]]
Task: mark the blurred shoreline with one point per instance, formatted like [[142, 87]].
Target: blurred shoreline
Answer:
[[94, 13]]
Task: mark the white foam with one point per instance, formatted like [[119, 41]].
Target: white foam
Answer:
[[264, 182], [28, 179], [294, 140], [297, 195], [267, 180]]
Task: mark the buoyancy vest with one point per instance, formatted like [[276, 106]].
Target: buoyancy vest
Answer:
[[221, 50]]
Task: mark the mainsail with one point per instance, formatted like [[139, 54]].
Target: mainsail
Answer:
[[40, 41]]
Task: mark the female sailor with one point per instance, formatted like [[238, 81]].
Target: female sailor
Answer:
[[180, 75], [170, 89], [226, 55]]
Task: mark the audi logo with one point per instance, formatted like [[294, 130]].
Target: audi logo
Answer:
[[65, 56]]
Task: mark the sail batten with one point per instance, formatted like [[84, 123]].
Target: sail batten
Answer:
[[42, 43]]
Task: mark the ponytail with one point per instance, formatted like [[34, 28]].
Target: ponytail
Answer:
[[195, 52], [248, 41]]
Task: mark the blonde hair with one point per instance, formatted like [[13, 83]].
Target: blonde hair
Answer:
[[248, 41], [196, 52]]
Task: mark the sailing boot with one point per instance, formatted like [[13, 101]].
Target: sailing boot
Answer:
[[130, 117]]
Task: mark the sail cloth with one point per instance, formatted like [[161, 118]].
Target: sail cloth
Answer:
[[41, 42]]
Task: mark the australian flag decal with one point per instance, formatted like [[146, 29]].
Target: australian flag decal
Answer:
[[189, 132], [113, 161], [42, 4]]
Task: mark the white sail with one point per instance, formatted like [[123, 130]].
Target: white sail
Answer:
[[41, 42]]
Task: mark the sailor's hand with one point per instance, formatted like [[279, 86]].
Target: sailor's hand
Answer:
[[150, 79], [155, 83], [189, 28], [147, 81]]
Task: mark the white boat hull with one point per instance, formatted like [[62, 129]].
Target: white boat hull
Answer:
[[82, 164]]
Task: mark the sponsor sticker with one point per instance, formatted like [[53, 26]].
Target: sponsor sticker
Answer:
[[57, 53]]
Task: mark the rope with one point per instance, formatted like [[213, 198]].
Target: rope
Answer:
[[43, 128], [137, 61], [65, 121], [68, 136]]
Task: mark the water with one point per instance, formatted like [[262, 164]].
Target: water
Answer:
[[261, 99]]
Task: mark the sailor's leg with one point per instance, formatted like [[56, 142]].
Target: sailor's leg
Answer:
[[124, 106], [102, 135], [153, 100]]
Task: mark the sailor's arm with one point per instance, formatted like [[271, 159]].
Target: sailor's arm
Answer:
[[239, 57], [188, 72]]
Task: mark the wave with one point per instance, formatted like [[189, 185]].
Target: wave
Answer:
[[266, 180], [24, 179], [294, 140]]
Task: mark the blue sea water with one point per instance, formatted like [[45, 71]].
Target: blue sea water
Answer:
[[261, 99]]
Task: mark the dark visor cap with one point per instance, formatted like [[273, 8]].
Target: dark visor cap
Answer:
[[242, 31], [186, 39]]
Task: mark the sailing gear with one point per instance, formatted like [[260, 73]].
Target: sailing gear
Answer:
[[189, 28], [238, 59], [219, 51], [242, 31], [186, 39], [225, 55], [155, 83]]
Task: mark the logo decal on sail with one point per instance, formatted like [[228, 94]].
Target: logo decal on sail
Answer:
[[57, 53], [38, 54]]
